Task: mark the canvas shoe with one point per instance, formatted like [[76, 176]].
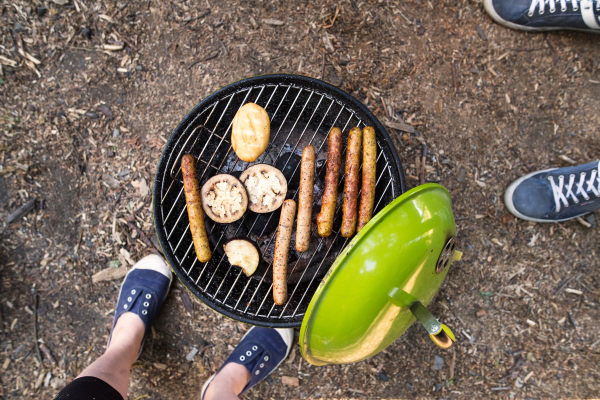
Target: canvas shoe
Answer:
[[555, 195], [546, 15], [261, 350], [143, 291]]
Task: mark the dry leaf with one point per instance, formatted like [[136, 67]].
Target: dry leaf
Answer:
[[142, 186], [290, 380], [110, 274]]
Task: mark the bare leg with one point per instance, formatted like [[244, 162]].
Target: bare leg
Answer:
[[228, 383], [114, 366]]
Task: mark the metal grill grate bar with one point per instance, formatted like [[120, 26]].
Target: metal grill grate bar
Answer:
[[245, 215], [320, 243], [275, 233]]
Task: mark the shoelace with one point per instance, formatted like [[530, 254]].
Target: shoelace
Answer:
[[559, 196], [563, 5]]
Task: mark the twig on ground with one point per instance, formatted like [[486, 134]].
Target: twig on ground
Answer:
[[423, 160], [323, 67], [454, 82], [131, 225], [566, 283], [38, 353], [124, 39]]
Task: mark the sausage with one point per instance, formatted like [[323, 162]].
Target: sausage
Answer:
[[330, 191], [307, 181], [194, 208], [369, 175], [351, 183], [282, 247]]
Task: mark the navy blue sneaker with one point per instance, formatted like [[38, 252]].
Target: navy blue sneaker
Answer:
[[555, 195], [143, 291], [546, 15], [261, 350]]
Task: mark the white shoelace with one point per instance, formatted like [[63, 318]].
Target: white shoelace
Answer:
[[559, 196], [563, 5]]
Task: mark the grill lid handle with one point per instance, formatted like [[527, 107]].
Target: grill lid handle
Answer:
[[439, 333]]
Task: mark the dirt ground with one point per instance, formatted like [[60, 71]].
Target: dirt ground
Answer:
[[83, 126]]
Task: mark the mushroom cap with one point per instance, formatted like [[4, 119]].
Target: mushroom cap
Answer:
[[224, 198], [260, 180]]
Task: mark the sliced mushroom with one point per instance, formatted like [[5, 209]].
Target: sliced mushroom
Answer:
[[266, 187], [243, 253], [224, 198]]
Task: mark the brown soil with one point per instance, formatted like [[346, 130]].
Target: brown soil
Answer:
[[518, 104]]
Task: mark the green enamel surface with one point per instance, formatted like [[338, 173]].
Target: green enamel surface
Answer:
[[362, 304]]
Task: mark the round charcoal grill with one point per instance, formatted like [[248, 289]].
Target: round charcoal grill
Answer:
[[302, 111]]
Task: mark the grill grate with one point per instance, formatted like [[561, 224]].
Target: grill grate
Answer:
[[302, 111]]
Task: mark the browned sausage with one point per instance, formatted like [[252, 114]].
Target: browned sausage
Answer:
[[305, 198], [282, 247], [369, 175], [332, 174], [351, 183], [194, 207]]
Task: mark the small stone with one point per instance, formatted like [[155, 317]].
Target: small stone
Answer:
[[91, 115], [110, 153], [86, 33], [591, 220], [19, 28], [474, 70], [461, 175], [160, 366], [438, 363], [115, 133], [139, 68], [120, 100], [268, 379], [481, 313], [421, 31], [438, 387], [192, 354], [106, 111], [383, 377], [41, 11]]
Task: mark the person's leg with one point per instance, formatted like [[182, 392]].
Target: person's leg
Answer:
[[114, 366], [258, 354], [228, 383], [142, 294]]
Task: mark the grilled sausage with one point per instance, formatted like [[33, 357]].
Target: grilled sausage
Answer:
[[369, 175], [307, 181], [332, 174], [351, 183], [282, 247], [194, 207]]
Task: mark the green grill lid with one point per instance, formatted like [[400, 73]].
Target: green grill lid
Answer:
[[363, 303]]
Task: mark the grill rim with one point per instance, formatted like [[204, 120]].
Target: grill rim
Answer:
[[283, 79]]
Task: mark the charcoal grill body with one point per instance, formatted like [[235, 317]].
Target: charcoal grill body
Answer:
[[302, 111]]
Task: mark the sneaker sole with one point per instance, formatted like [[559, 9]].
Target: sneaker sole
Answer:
[[509, 203], [489, 7]]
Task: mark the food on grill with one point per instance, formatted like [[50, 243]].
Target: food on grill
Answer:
[[367, 195], [194, 207], [351, 184], [243, 253], [305, 198], [266, 187], [224, 199], [330, 191], [250, 132], [282, 247]]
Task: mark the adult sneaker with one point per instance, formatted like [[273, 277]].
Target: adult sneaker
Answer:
[[546, 15], [261, 350], [555, 195]]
